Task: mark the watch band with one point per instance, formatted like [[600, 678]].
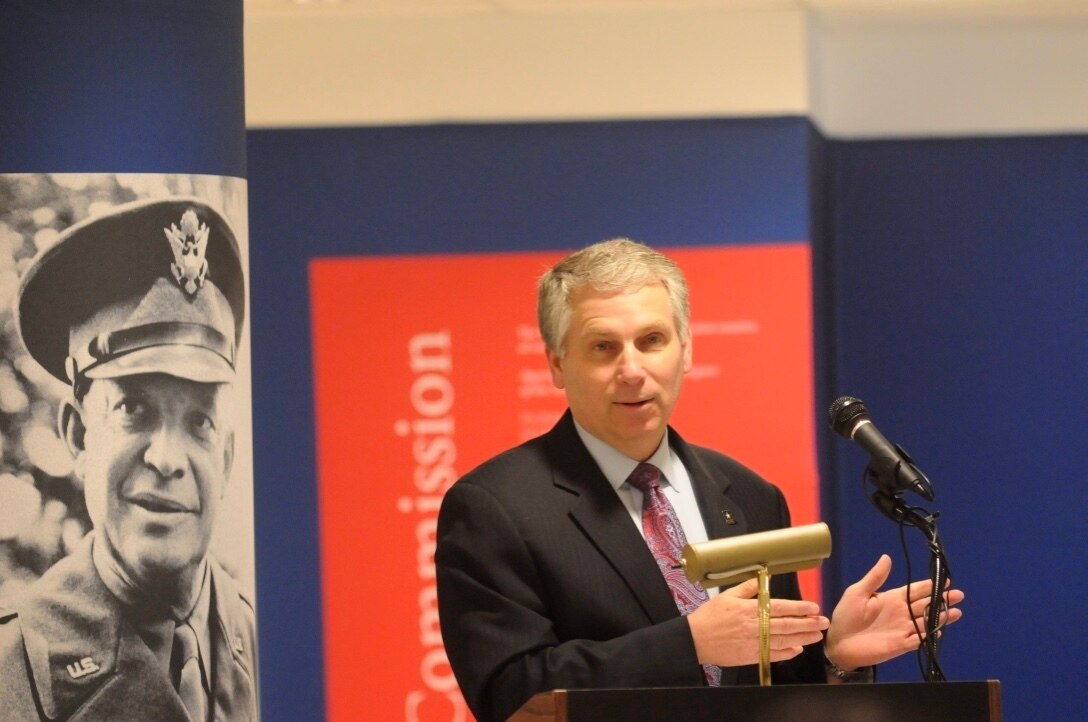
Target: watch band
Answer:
[[861, 674]]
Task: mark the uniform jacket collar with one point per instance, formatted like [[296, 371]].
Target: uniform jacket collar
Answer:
[[88, 663]]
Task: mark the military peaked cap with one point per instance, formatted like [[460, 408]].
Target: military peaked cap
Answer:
[[147, 287]]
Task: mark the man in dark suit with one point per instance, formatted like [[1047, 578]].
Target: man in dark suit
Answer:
[[549, 556], [139, 311]]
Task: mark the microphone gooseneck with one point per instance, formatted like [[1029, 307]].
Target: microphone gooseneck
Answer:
[[892, 472]]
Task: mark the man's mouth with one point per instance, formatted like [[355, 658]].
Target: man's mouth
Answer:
[[158, 504], [634, 404]]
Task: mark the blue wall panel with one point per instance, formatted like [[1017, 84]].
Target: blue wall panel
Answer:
[[955, 272], [122, 85]]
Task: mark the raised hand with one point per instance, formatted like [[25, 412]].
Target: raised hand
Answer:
[[869, 626]]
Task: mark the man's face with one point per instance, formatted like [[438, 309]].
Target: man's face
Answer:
[[154, 458], [623, 366]]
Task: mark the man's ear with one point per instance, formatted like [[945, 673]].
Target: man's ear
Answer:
[[555, 365], [71, 428]]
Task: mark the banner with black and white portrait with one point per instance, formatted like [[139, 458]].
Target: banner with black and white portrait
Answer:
[[127, 582]]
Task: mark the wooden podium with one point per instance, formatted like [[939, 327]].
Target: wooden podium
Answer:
[[891, 702]]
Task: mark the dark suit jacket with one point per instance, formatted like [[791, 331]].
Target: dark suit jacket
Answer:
[[67, 653], [544, 583]]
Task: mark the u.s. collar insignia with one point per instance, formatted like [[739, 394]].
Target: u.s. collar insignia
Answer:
[[189, 244], [82, 668]]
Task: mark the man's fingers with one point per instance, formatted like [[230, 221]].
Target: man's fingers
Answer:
[[910, 639], [781, 655], [874, 578], [918, 605], [744, 590], [945, 618], [793, 608], [779, 607], [953, 615], [799, 625], [784, 641]]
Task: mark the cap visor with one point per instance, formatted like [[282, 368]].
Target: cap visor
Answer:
[[185, 362]]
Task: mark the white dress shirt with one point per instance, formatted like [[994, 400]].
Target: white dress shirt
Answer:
[[675, 483]]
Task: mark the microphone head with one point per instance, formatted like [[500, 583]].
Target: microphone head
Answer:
[[844, 414]]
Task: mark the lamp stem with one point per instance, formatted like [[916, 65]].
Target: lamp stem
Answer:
[[764, 626]]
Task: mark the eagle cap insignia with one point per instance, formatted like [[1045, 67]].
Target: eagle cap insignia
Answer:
[[189, 244]]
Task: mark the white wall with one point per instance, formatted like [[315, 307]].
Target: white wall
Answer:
[[877, 75], [365, 69], [859, 69]]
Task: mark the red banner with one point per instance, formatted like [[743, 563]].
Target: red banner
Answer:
[[425, 366]]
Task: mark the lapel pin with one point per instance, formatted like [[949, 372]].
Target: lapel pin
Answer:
[[728, 517]]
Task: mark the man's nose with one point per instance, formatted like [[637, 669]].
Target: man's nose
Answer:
[[630, 366], [165, 452]]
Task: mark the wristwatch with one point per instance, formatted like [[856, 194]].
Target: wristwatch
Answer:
[[861, 674]]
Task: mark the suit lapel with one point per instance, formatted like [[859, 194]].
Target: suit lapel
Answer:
[[600, 515], [721, 517]]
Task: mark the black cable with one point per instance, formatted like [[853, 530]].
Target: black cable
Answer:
[[929, 640]]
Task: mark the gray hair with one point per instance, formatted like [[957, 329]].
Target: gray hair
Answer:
[[619, 264]]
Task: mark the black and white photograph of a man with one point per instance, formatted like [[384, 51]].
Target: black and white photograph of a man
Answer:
[[126, 580]]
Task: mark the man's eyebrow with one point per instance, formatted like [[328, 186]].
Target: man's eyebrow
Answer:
[[596, 331]]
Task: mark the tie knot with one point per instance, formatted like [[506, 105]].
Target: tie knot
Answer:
[[185, 647], [645, 477]]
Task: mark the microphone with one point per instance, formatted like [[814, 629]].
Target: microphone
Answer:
[[892, 467]]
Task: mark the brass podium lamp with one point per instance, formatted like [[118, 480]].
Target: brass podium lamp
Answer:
[[722, 562]]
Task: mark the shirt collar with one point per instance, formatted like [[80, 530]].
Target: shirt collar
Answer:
[[617, 466], [154, 624]]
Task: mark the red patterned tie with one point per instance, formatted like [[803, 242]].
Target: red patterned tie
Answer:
[[666, 540]]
